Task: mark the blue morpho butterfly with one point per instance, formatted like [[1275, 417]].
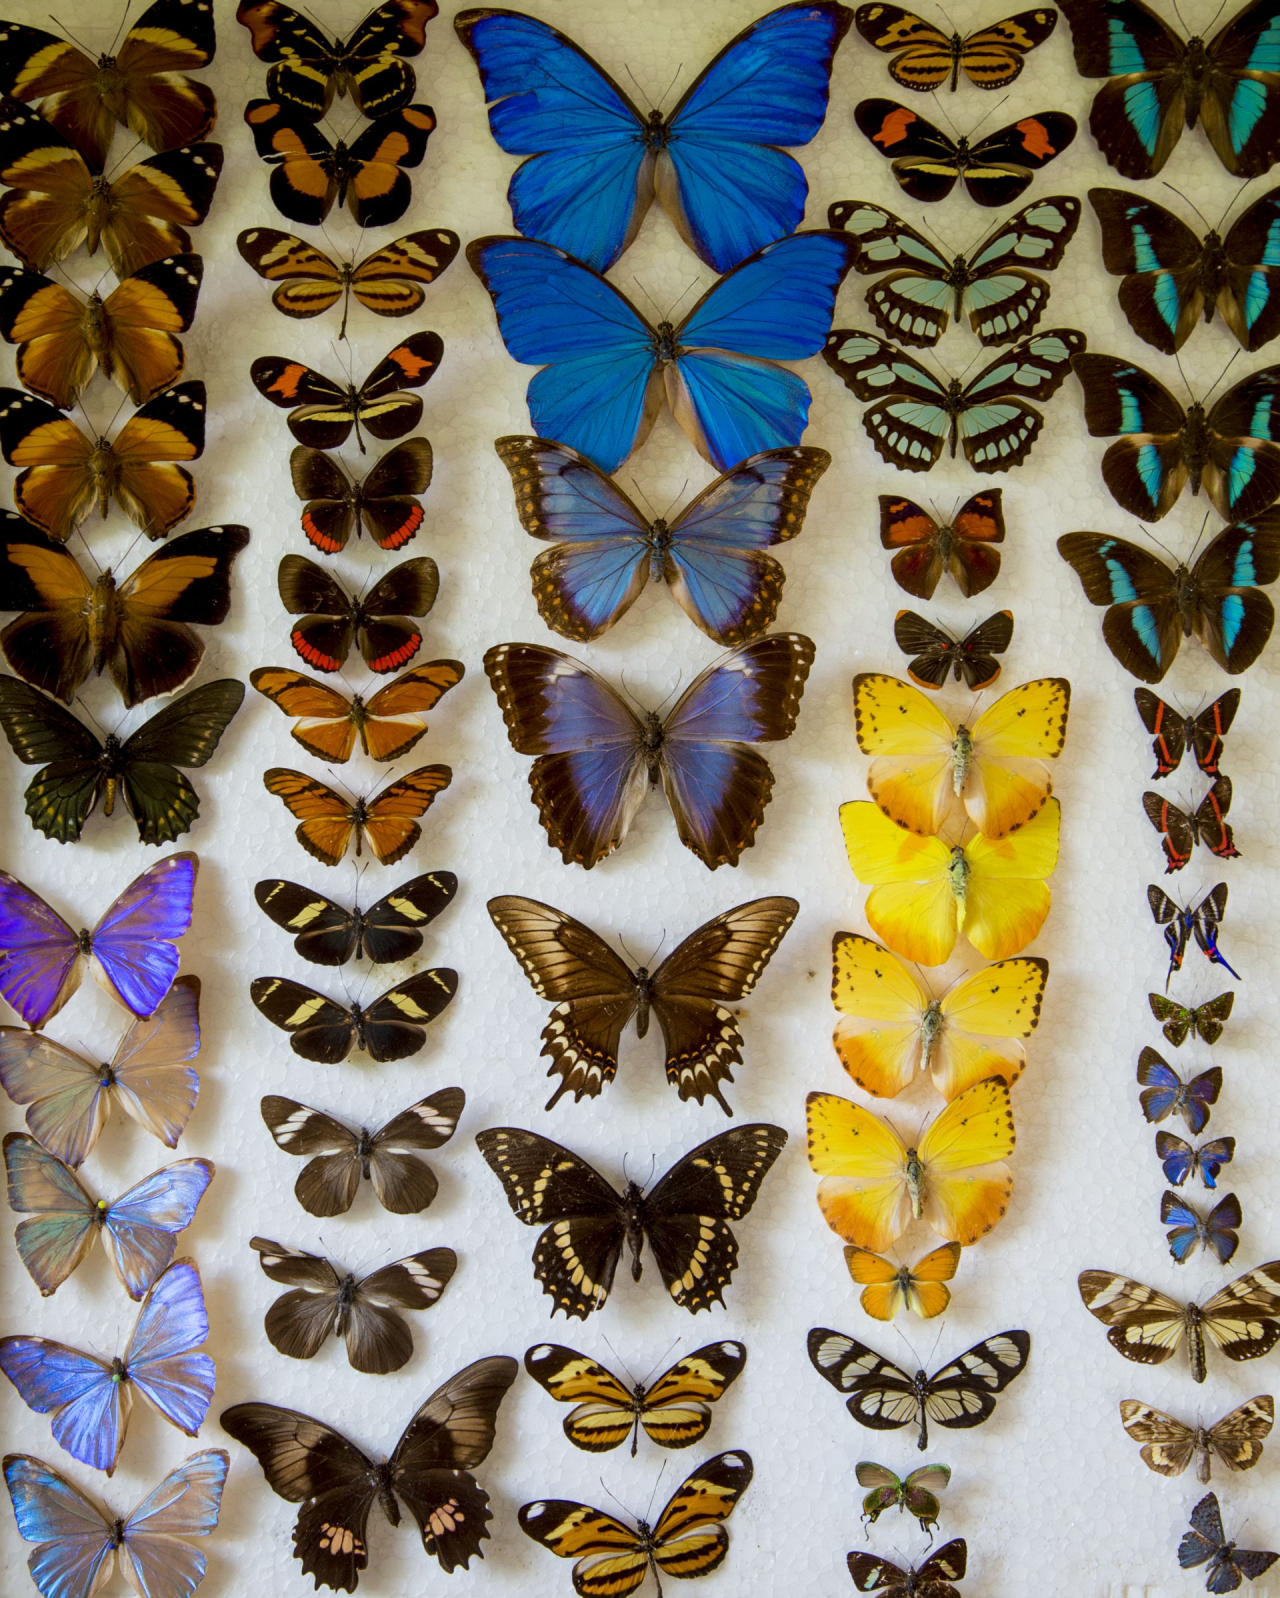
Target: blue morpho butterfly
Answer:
[[1181, 925], [595, 160], [132, 946], [79, 1546], [1172, 277], [993, 286], [90, 1397], [605, 367], [1164, 1093], [1180, 1161], [713, 554], [1159, 83], [1189, 1229], [139, 1230]]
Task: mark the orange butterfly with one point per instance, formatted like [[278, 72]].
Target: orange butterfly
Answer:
[[388, 724], [388, 820], [887, 1288]]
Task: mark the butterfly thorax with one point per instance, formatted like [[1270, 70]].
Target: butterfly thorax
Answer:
[[357, 1021], [1195, 443], [359, 816], [98, 206], [963, 156], [344, 1298], [1212, 271], [931, 1025], [658, 543], [111, 763], [913, 1171], [633, 1204], [359, 711], [106, 1075], [112, 86], [386, 1497], [363, 1150], [651, 736], [94, 327], [119, 1370], [657, 131], [958, 873], [341, 169], [960, 276], [665, 348], [115, 1534], [961, 758], [104, 474], [1193, 70], [100, 1210]]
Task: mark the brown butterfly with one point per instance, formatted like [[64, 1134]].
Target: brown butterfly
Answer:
[[388, 821], [322, 412], [1170, 1445], [377, 621], [384, 503], [388, 723]]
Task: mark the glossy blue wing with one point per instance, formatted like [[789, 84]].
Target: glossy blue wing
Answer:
[[161, 1358], [1212, 1156], [1160, 1084], [134, 941], [64, 1219], [153, 1552], [1177, 1157], [1185, 1227], [140, 1230], [40, 963], [77, 1388], [75, 1541], [1202, 1093]]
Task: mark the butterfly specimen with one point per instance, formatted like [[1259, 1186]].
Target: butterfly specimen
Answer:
[[149, 1077], [383, 503], [1170, 1445], [79, 769], [1189, 1229], [322, 412], [883, 1397], [687, 1539], [1164, 1093], [309, 175], [386, 1158], [1173, 733], [1179, 1021], [325, 933], [1227, 449], [890, 1026], [389, 281], [993, 286], [1181, 924], [1240, 1318], [595, 160], [926, 891], [375, 622], [90, 1397], [65, 474], [933, 1579], [1180, 830], [916, 416], [917, 1492], [139, 628], [674, 1409], [132, 948], [598, 993], [1206, 1543], [325, 1301], [924, 548], [1171, 278], [595, 757], [938, 654], [139, 1230], [392, 1027], [586, 1222], [887, 1288], [387, 821], [75, 1538], [926, 770], [606, 550], [928, 162], [58, 202], [925, 57], [1151, 609], [1160, 82], [130, 335], [605, 368], [337, 1484], [308, 69], [873, 1185], [389, 723], [1181, 1162]]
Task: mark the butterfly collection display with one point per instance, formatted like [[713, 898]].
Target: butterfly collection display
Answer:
[[1206, 1544]]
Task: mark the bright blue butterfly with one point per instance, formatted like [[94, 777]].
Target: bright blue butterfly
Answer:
[[139, 1230], [78, 1546], [605, 368], [1164, 1093], [132, 947], [90, 1397], [1180, 1161], [712, 554], [596, 160], [1189, 1229]]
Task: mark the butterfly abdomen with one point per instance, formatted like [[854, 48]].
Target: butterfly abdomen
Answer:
[[633, 1203], [1195, 1342], [1195, 443], [644, 997]]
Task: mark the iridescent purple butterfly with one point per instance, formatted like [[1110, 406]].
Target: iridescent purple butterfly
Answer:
[[596, 757], [1188, 1229], [90, 1397], [132, 946], [1164, 1093], [1180, 1161]]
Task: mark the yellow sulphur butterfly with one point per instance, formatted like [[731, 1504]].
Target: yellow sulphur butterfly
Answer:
[[887, 1288]]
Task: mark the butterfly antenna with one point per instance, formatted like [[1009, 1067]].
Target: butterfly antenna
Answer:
[[626, 1368], [1192, 206], [692, 284], [89, 552], [985, 117], [657, 309], [615, 1497], [1199, 536], [661, 1361], [80, 702], [79, 43], [1221, 375], [648, 1508], [942, 111], [1147, 533], [640, 88], [675, 500], [132, 545], [341, 784], [124, 156], [910, 1346]]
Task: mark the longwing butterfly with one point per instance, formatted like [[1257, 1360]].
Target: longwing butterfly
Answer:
[[392, 1027], [925, 56], [1181, 925], [1170, 1445], [1173, 733], [389, 723], [388, 820], [1181, 829], [936, 654], [332, 621], [1178, 1022], [389, 931], [925, 548], [384, 504], [322, 412]]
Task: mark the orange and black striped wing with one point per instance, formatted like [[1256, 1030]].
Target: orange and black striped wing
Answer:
[[326, 820], [324, 721], [689, 1539], [675, 1411], [606, 1410], [611, 1559], [396, 715], [924, 57], [390, 282], [993, 57], [391, 819], [310, 281]]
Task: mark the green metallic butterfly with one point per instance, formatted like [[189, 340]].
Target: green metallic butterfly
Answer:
[[916, 1493]]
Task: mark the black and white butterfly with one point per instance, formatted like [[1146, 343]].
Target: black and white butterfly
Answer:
[[1172, 733], [586, 1222], [598, 993], [345, 1156], [326, 1300], [937, 654], [933, 1579], [1206, 1543], [391, 1028], [884, 1397], [329, 934], [336, 1483]]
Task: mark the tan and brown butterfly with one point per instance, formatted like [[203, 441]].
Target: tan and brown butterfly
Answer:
[[66, 475], [389, 282], [674, 1410], [388, 723], [887, 1288], [388, 821], [1169, 1445]]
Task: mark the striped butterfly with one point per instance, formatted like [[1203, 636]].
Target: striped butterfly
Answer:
[[322, 412], [1170, 1445], [925, 57]]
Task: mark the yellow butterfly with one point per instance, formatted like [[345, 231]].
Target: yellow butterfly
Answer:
[[887, 1288], [926, 767], [890, 1027], [873, 1185], [927, 891]]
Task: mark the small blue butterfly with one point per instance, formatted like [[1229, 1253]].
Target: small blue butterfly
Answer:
[[1180, 1161], [1164, 1093], [1189, 1229]]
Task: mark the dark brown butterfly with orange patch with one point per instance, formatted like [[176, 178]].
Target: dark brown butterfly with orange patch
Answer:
[[383, 503], [388, 821], [143, 84], [62, 340], [388, 723], [59, 202], [322, 412], [377, 621], [926, 548], [65, 474]]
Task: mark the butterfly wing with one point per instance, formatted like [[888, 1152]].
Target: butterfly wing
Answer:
[[1141, 627], [881, 1006], [75, 1548], [863, 1194], [395, 1023], [1001, 166], [1145, 1325], [1240, 110], [1169, 732], [965, 1184], [134, 941], [377, 1338], [1138, 117], [1249, 299], [689, 1539], [318, 1028], [184, 733], [1008, 782], [606, 1410], [912, 905], [1168, 1446], [915, 300], [153, 1553], [1237, 1438], [387, 641], [89, 1406], [925, 159], [996, 425], [611, 1559], [329, 1182], [325, 718], [384, 502], [140, 1228], [61, 1231], [674, 1410], [1006, 898], [1159, 258], [326, 820], [42, 962], [60, 797], [394, 718], [162, 1358], [391, 824], [1233, 618], [880, 1395], [1243, 1318], [402, 1183], [911, 742], [909, 423], [963, 1393]]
